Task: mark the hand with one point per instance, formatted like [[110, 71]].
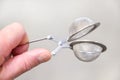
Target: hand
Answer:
[[16, 60]]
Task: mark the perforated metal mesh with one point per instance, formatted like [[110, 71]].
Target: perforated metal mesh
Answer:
[[81, 27]]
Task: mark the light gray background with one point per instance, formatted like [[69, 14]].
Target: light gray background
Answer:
[[43, 17]]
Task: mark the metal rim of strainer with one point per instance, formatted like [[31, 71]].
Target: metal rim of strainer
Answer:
[[94, 25], [104, 48]]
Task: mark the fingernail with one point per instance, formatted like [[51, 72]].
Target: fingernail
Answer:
[[44, 56]]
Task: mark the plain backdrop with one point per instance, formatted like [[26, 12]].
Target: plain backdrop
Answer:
[[44, 17]]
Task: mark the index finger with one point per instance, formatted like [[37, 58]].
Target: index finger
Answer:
[[10, 37]]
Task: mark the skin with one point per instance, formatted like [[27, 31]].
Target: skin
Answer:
[[16, 60]]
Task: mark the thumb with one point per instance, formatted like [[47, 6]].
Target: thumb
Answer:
[[24, 62]]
